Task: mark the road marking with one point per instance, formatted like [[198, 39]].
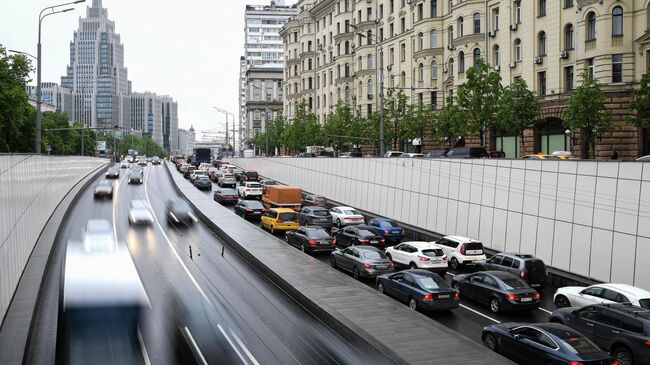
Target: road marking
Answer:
[[450, 274], [145, 354], [248, 353], [116, 198], [545, 310], [187, 330], [232, 344], [479, 313]]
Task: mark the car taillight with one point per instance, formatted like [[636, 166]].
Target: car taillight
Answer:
[[462, 249], [537, 296], [234, 196], [427, 297], [312, 242], [456, 295], [522, 274], [423, 258], [220, 196], [249, 210], [444, 258], [263, 210], [391, 265], [615, 362], [647, 342], [364, 241], [386, 231], [367, 266], [576, 363], [334, 241], [248, 189], [512, 297]]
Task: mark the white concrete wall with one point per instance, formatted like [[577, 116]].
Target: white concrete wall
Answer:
[[31, 187], [586, 217]]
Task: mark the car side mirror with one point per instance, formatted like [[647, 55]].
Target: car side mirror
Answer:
[[517, 336]]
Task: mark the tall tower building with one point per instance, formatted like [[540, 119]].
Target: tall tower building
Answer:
[[96, 74]]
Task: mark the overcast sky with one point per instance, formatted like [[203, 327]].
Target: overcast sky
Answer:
[[189, 50]]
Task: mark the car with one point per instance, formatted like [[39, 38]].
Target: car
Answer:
[[315, 216], [421, 289], [393, 154], [311, 239], [196, 173], [250, 209], [528, 267], [543, 343], [124, 165], [248, 189], [155, 160], [280, 219], [135, 176], [142, 162], [579, 296], [103, 189], [265, 183], [351, 154], [419, 255], [214, 174], [225, 195], [564, 155], [623, 330], [313, 200], [113, 173], [499, 290], [461, 250], [411, 155], [250, 175], [467, 152], [644, 158], [179, 212], [187, 171], [227, 179], [436, 154], [237, 172], [387, 228], [539, 156], [343, 216], [362, 261], [139, 213], [148, 159], [203, 182], [98, 236], [203, 166], [358, 235], [306, 154]]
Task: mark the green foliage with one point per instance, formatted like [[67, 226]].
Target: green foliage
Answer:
[[303, 130], [339, 123], [395, 111], [479, 98], [145, 145], [517, 109], [641, 104], [416, 119], [586, 111], [17, 126], [449, 122]]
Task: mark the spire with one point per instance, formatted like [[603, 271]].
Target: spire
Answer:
[[97, 4]]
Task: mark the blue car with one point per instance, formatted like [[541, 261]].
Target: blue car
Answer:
[[387, 228], [421, 289]]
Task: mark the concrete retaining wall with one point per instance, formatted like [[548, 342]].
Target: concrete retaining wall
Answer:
[[31, 188], [585, 217]]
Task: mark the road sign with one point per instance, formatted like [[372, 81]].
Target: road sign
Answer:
[[101, 146]]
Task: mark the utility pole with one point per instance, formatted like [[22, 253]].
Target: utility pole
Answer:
[[266, 128]]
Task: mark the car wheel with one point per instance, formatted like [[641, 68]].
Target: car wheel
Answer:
[[413, 304], [413, 266], [490, 341], [272, 230], [562, 302], [380, 288], [286, 238], [495, 306], [389, 257], [623, 356], [338, 223], [355, 273], [333, 261], [303, 248], [453, 263]]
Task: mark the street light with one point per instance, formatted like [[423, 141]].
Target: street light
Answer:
[[22, 53], [42, 16], [226, 113]]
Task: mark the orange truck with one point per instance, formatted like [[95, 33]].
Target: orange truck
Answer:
[[282, 196]]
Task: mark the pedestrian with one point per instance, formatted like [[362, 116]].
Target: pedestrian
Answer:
[[614, 155]]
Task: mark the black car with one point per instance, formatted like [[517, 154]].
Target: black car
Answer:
[[620, 329], [467, 152], [358, 235], [203, 183], [238, 173], [361, 261], [113, 173], [501, 291], [315, 216], [309, 200], [528, 267], [543, 343], [179, 213], [188, 171], [248, 209], [225, 195], [311, 239], [250, 175], [436, 154], [421, 289]]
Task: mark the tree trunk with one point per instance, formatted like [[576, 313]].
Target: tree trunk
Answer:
[[584, 144], [522, 147]]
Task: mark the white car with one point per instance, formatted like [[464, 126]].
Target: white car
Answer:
[[343, 216], [411, 155], [196, 173], [124, 165], [139, 213], [580, 296], [419, 255], [205, 166], [461, 250], [249, 189]]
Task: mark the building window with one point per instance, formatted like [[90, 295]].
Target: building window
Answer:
[[451, 67], [434, 8], [434, 100], [420, 11], [477, 23], [495, 19], [518, 50], [402, 80], [591, 27], [370, 62], [391, 5], [360, 89], [591, 65], [495, 55], [369, 37], [391, 28], [617, 68], [403, 24], [476, 57], [517, 11], [347, 93], [617, 21], [421, 73], [460, 26], [434, 38], [420, 41], [360, 63], [370, 87], [391, 56], [568, 79], [541, 81], [347, 70], [568, 37], [450, 5], [369, 14], [568, 4], [450, 35], [434, 71], [402, 47], [541, 11], [541, 44], [381, 11], [461, 62]]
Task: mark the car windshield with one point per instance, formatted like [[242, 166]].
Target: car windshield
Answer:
[[228, 192], [351, 212], [254, 204], [432, 282], [579, 345], [181, 206], [288, 216], [203, 178], [254, 186], [388, 224], [251, 174], [514, 283], [321, 213], [644, 303], [474, 245], [374, 255], [317, 233], [436, 252]]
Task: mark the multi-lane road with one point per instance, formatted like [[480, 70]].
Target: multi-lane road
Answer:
[[260, 323]]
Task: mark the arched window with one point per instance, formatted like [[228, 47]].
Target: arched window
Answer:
[[450, 35], [568, 37], [617, 21], [347, 47], [461, 62], [420, 41], [476, 57], [495, 55], [477, 23], [370, 87], [360, 63], [347, 93], [541, 43], [591, 27], [324, 100], [360, 89], [370, 62], [451, 67], [461, 27], [421, 72], [402, 79], [317, 101], [517, 49], [434, 71], [434, 38], [347, 70]]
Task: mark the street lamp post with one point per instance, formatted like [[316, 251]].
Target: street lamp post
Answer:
[[226, 113], [42, 16]]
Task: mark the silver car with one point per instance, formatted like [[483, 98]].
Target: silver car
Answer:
[[361, 261], [139, 213], [227, 180], [104, 189]]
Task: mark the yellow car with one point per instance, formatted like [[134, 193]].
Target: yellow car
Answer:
[[280, 219], [539, 156]]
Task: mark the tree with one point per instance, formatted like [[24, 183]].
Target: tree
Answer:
[[303, 130], [517, 109], [338, 126], [479, 98], [586, 111], [416, 119], [17, 127], [641, 104], [395, 108], [449, 122]]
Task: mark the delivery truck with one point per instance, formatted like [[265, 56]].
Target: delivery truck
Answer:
[[282, 196]]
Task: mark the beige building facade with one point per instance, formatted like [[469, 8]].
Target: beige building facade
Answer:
[[333, 47]]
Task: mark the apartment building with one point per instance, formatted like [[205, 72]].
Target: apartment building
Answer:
[[334, 51]]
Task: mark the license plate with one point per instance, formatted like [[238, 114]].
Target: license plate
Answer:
[[437, 261], [444, 296], [323, 243], [373, 241], [382, 266], [474, 252], [526, 299]]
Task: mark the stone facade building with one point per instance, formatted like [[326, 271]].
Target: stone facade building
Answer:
[[333, 46]]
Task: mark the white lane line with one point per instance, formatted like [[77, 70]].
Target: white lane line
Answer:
[[479, 313], [116, 197], [545, 310], [450, 274], [196, 284], [145, 354], [232, 344], [248, 353], [187, 330]]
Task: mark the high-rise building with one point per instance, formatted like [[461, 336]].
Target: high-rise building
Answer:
[[263, 48], [54, 97], [156, 116], [332, 51], [264, 96], [182, 142]]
